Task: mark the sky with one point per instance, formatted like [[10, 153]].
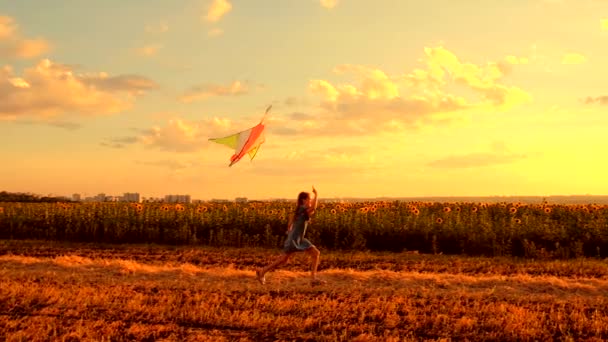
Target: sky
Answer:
[[384, 98]]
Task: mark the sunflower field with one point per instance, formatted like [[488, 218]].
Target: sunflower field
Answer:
[[483, 229]]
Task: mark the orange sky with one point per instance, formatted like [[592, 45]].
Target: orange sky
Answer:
[[394, 98]]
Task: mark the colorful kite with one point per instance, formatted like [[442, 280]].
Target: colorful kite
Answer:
[[245, 142]]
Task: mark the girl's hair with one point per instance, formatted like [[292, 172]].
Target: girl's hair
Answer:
[[302, 196]]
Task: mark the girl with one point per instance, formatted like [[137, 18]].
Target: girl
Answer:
[[295, 241]]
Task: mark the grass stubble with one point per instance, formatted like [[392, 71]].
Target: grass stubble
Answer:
[[85, 292]]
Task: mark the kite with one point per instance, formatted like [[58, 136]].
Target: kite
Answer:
[[245, 142]]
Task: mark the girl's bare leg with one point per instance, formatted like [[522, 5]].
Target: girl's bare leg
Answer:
[[314, 254], [278, 262]]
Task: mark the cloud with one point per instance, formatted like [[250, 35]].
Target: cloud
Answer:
[[499, 155], [604, 24], [121, 142], [473, 160], [202, 92], [49, 89], [382, 102], [573, 59], [514, 60], [161, 27], [217, 9], [215, 32], [602, 100], [293, 101], [329, 3], [174, 165], [297, 116], [133, 84], [68, 125], [183, 136], [148, 50], [14, 45]]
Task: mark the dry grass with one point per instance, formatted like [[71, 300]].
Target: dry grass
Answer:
[[87, 293]]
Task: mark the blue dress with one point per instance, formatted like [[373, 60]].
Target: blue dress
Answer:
[[295, 241]]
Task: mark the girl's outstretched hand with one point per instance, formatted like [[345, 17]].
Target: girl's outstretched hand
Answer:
[[314, 191]]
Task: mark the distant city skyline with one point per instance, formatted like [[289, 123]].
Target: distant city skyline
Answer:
[[370, 98], [136, 197]]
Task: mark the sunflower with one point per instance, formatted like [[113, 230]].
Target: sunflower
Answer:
[[201, 209], [225, 208], [439, 220], [474, 209], [1, 210], [416, 211], [457, 209], [547, 210], [179, 207], [447, 209], [333, 211], [245, 210], [373, 209], [363, 210], [164, 207], [518, 221], [513, 210]]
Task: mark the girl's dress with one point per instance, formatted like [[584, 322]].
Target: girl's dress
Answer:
[[295, 241]]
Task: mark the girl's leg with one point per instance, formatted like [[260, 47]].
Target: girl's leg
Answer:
[[314, 254], [278, 262]]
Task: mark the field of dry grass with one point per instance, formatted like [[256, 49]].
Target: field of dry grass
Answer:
[[82, 292]]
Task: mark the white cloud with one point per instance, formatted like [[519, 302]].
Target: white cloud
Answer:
[[377, 101], [49, 89], [217, 9], [13, 45], [202, 92], [184, 136]]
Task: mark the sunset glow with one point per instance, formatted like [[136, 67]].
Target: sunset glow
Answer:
[[394, 98]]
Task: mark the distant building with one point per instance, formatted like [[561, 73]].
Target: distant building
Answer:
[[130, 197], [76, 198], [177, 198], [100, 197], [241, 200]]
